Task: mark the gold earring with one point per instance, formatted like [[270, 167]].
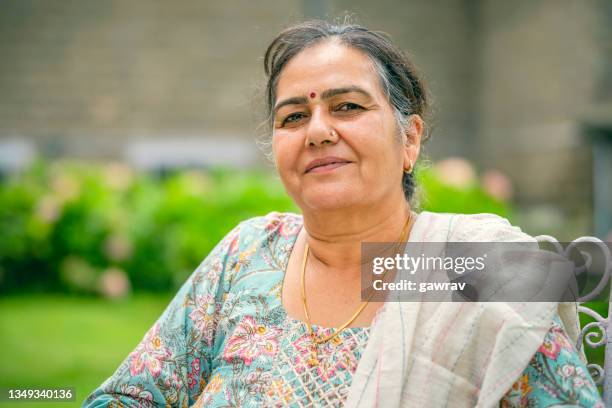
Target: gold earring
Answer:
[[409, 169]]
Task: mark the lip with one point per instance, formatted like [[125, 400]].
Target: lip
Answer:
[[326, 164]]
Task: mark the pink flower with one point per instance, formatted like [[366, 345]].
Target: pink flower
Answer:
[[151, 353], [191, 381], [550, 348], [568, 370], [173, 381], [256, 381], [561, 338], [194, 374], [214, 271], [250, 340], [195, 366], [289, 228], [202, 320], [145, 397], [554, 342], [272, 221], [232, 243], [579, 382]]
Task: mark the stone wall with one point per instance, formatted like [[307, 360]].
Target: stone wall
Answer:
[[82, 77]]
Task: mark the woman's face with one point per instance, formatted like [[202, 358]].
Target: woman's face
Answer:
[[335, 138]]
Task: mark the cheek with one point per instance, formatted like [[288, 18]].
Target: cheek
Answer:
[[285, 150], [378, 146]]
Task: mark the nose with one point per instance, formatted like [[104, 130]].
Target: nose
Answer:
[[319, 130]]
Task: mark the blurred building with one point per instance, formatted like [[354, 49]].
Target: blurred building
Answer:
[[522, 86]]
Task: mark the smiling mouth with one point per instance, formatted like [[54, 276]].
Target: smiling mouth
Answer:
[[323, 168]]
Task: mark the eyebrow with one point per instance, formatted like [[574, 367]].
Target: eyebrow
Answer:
[[329, 93]]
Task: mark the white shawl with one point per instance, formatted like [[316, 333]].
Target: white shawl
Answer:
[[435, 354]]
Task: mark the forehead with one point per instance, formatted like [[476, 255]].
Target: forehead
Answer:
[[324, 66]]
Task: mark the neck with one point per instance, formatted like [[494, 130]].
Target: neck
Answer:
[[335, 237]]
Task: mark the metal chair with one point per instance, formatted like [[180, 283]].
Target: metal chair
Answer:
[[599, 332]]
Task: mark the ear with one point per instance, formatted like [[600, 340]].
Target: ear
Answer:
[[412, 141]]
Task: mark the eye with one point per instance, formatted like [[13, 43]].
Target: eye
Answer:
[[348, 106], [294, 117]]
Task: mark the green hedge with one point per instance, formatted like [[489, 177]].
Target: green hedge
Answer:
[[65, 225]]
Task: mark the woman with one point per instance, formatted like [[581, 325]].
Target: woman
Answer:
[[273, 316]]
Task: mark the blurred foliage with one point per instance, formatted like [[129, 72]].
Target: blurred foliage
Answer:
[[66, 225], [438, 196]]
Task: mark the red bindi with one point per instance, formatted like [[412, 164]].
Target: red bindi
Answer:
[[312, 94]]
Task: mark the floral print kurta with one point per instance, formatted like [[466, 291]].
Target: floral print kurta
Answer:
[[226, 340]]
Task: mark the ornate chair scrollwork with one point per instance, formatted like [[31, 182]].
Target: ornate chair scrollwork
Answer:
[[597, 333]]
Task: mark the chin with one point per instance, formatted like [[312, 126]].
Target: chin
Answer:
[[327, 198]]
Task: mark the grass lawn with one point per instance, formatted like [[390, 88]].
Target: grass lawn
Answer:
[[63, 341]]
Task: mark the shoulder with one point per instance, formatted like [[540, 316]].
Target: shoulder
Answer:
[[257, 231], [271, 224], [483, 227], [244, 247], [261, 231]]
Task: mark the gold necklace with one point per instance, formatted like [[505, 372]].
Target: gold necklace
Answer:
[[314, 358]]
